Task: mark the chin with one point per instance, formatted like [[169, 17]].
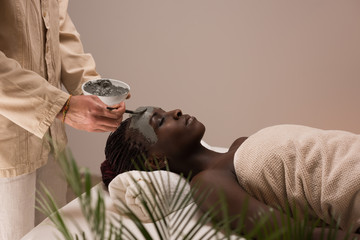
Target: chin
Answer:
[[203, 129], [198, 133]]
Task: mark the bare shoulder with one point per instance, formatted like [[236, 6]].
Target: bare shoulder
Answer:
[[215, 181], [237, 143], [214, 178], [206, 175]]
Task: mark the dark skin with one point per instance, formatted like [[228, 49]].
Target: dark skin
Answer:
[[179, 137]]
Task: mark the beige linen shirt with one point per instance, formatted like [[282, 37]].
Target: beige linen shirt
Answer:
[[40, 50]]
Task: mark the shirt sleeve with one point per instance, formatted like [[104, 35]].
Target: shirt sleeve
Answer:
[[26, 98], [77, 66]]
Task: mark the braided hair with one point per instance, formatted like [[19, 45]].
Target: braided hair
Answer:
[[125, 150]]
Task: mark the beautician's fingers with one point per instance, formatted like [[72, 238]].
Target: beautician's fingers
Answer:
[[89, 113], [118, 106], [114, 111], [115, 107]]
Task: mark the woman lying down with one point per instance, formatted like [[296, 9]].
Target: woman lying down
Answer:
[[316, 170]]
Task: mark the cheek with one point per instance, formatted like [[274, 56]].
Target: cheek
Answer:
[[182, 141], [172, 140], [172, 146]]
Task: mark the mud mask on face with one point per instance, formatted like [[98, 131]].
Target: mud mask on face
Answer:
[[141, 123]]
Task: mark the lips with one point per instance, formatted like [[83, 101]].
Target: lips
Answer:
[[189, 120]]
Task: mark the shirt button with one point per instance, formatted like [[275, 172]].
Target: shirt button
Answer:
[[44, 14]]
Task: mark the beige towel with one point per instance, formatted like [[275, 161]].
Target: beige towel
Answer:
[[314, 169]]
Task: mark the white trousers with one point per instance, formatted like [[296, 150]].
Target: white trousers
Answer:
[[17, 199]]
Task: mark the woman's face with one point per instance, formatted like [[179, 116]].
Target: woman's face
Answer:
[[177, 133], [171, 133]]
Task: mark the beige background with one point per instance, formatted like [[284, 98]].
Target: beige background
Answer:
[[237, 65]]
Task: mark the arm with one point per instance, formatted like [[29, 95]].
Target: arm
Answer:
[[27, 99], [77, 66], [86, 112], [31, 102], [225, 184], [89, 113]]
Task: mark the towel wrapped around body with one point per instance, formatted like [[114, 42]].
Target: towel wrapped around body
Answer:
[[305, 168]]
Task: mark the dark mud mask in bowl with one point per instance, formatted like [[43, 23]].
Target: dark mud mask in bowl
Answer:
[[110, 91]]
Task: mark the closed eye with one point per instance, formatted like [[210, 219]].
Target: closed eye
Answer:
[[161, 121]]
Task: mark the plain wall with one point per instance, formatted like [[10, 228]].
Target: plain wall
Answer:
[[237, 65]]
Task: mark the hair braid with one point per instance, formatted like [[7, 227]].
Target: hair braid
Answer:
[[123, 152]]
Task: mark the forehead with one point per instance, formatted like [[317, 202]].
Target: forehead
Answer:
[[148, 114], [141, 122]]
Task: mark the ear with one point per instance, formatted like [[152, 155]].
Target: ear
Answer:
[[156, 161]]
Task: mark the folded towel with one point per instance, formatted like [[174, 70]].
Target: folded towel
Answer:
[[157, 189], [162, 191], [317, 170]]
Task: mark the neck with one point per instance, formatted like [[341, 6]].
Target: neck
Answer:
[[199, 159]]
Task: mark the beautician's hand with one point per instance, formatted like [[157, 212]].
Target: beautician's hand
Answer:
[[89, 113]]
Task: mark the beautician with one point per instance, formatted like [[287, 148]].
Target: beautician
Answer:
[[40, 50]]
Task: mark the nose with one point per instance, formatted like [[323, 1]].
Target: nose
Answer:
[[176, 113]]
